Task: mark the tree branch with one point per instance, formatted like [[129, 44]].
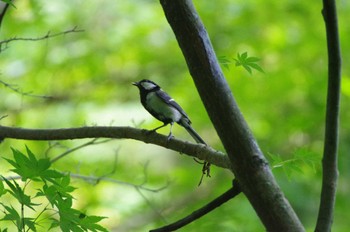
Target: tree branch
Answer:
[[330, 152], [47, 36], [199, 151], [228, 195], [96, 179], [19, 91], [91, 142], [248, 163], [3, 9]]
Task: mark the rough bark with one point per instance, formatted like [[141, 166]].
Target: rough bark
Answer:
[[196, 150], [248, 163]]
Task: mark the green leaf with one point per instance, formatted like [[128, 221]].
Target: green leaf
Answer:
[[18, 193], [243, 56], [12, 186], [30, 167], [51, 176], [30, 223], [22, 165], [2, 187], [252, 59], [12, 215], [257, 67], [50, 192], [90, 223], [246, 67], [224, 61], [248, 62], [301, 159]]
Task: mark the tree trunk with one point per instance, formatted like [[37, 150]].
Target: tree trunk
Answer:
[[248, 163]]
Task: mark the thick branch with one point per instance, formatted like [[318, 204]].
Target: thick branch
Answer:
[[249, 165], [330, 159], [196, 150]]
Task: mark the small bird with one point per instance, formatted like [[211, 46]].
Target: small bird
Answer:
[[161, 106], [164, 108]]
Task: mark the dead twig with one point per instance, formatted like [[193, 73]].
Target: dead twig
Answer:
[[48, 35]]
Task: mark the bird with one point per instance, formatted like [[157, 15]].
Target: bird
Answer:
[[164, 108]]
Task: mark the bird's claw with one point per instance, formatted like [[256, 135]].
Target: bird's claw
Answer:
[[170, 136]]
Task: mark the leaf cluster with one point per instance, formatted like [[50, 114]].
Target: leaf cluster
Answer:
[[300, 158], [55, 188], [247, 62]]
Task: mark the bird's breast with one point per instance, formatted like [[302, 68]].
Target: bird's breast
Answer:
[[160, 109]]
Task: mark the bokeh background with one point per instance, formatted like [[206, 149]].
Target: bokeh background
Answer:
[[89, 74]]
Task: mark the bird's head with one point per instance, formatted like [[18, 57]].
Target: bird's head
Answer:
[[145, 85]]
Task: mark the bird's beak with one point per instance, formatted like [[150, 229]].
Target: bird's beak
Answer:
[[135, 83]]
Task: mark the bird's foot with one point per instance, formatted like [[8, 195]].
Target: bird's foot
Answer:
[[206, 169], [170, 136]]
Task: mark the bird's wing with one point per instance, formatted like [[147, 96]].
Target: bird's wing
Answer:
[[167, 99]]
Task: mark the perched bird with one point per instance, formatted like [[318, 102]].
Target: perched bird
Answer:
[[165, 109]]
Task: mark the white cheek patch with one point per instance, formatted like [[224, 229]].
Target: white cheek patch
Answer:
[[148, 85]]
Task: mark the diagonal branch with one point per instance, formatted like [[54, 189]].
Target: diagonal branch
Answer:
[[195, 150], [330, 156], [91, 142], [228, 195], [248, 163]]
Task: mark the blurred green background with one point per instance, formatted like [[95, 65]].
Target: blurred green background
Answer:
[[89, 74]]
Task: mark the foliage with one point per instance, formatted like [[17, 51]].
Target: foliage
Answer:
[[54, 187], [247, 62], [295, 164]]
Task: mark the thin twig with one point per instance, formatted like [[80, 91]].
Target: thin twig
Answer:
[[3, 116], [96, 179], [91, 142], [21, 92], [48, 35], [149, 203]]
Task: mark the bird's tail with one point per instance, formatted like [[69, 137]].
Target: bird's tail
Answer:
[[193, 133]]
